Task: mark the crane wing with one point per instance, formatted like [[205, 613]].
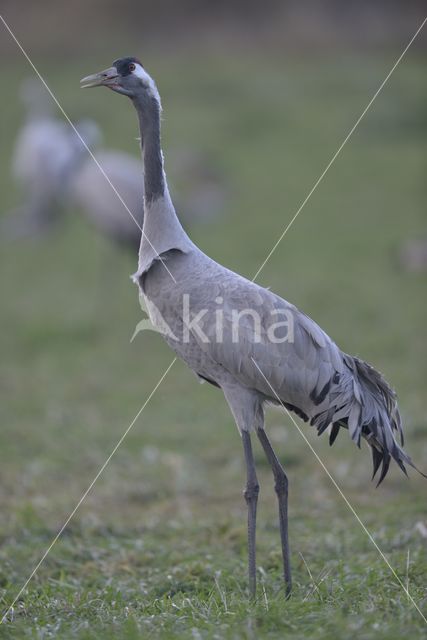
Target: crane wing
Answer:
[[246, 323]]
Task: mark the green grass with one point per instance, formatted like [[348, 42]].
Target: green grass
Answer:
[[158, 549]]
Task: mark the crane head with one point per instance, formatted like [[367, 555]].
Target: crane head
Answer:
[[126, 76]]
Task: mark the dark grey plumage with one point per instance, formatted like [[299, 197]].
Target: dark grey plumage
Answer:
[[372, 414]]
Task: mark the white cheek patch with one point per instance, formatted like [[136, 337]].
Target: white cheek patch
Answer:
[[141, 73]]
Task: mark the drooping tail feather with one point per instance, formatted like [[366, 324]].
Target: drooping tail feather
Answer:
[[366, 405]]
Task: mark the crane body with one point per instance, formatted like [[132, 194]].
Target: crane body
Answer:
[[260, 360]]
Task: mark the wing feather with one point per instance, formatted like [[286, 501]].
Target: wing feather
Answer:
[[295, 368]]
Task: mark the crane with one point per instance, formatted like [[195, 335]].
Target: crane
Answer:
[[45, 152], [226, 329], [87, 191]]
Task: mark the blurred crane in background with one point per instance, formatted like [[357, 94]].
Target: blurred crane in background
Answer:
[[45, 153], [88, 191]]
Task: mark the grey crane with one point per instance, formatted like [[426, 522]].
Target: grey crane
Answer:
[[225, 328], [45, 151], [87, 191]]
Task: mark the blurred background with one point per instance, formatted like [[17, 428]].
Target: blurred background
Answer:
[[257, 97]]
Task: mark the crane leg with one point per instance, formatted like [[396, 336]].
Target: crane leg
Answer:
[[251, 496], [281, 488]]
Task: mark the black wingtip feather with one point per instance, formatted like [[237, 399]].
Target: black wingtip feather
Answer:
[[334, 432], [402, 466], [384, 469], [376, 461], [322, 428]]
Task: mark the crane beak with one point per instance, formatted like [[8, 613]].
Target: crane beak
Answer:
[[107, 78]]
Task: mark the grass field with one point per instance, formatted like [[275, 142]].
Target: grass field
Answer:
[[158, 549]]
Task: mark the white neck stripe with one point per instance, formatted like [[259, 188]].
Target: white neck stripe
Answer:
[[141, 73]]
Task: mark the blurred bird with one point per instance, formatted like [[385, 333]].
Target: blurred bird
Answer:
[[413, 256], [198, 298], [89, 192], [45, 153]]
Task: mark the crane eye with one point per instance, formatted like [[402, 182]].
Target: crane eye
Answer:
[[132, 67]]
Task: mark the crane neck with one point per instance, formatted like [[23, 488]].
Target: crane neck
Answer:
[[161, 231], [148, 110]]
